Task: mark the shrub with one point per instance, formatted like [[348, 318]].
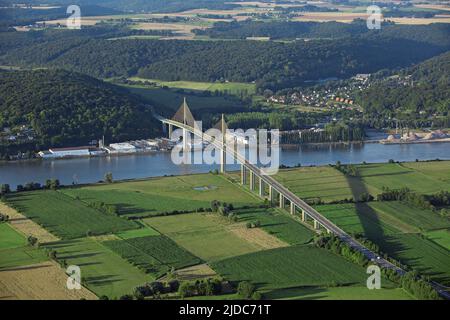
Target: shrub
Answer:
[[186, 289], [32, 241], [156, 287], [256, 296], [174, 285], [245, 289]]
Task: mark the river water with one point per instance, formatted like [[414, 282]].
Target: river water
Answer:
[[88, 170]]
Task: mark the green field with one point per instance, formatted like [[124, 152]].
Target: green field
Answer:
[[64, 216], [441, 237], [103, 271], [439, 170], [421, 254], [384, 222], [420, 219], [277, 224], [156, 255], [202, 234], [291, 267], [169, 100], [21, 256], [10, 238], [357, 218], [337, 293], [309, 183], [137, 233], [226, 87], [14, 251], [147, 197], [396, 176]]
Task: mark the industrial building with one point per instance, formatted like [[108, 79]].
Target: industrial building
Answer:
[[54, 153]]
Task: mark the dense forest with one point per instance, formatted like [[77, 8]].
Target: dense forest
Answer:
[[283, 29], [424, 88], [271, 65], [65, 108], [322, 30]]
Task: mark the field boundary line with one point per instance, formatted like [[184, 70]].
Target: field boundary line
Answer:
[[40, 231]]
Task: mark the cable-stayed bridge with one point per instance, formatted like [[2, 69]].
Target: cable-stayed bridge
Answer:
[[277, 193]]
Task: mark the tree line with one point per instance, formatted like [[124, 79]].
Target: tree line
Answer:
[[272, 65], [66, 108]]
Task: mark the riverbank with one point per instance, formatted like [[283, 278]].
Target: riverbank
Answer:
[[88, 170], [398, 141]]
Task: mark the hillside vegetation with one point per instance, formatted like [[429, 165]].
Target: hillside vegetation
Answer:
[[69, 108], [425, 86], [271, 65]]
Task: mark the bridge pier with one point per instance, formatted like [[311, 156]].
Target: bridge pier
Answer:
[[252, 181], [303, 215], [316, 225], [243, 175], [271, 194], [170, 130], [292, 208], [282, 201], [261, 187]]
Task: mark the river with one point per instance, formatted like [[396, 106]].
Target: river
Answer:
[[89, 170]]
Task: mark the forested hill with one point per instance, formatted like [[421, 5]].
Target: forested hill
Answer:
[[66, 108], [325, 30], [424, 88], [272, 65]]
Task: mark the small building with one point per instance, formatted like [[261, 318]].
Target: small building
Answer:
[[54, 153], [70, 152], [122, 147]]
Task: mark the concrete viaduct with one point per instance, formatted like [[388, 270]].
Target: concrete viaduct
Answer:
[[253, 176]]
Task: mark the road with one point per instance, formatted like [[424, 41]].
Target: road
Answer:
[[310, 211]]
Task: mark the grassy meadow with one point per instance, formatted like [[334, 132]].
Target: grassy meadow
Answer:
[[311, 183], [337, 293], [169, 100], [396, 176], [10, 238], [291, 267], [156, 195], [104, 272], [14, 250], [117, 254], [235, 88], [204, 235], [64, 216], [156, 255], [421, 254], [441, 237], [277, 224]]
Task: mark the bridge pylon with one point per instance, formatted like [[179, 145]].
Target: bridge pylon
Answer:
[[223, 127], [223, 157], [184, 116]]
